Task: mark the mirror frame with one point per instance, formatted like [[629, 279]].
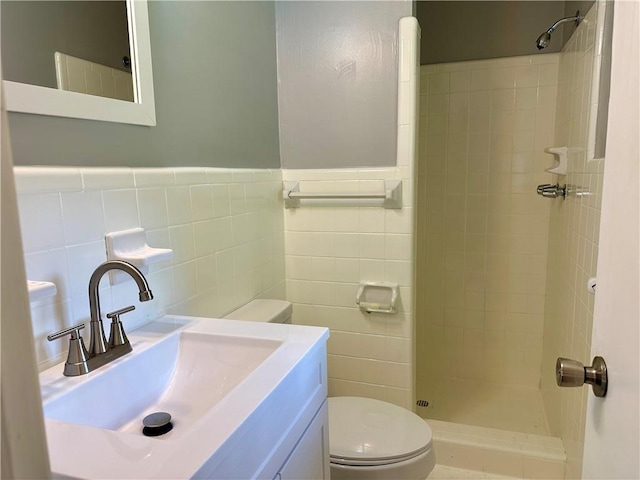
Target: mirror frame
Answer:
[[21, 97], [601, 82]]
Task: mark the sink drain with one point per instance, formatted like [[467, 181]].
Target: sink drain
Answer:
[[156, 424]]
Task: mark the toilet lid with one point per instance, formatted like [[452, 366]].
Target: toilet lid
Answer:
[[263, 310], [363, 431]]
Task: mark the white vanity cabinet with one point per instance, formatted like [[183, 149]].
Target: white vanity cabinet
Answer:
[[287, 436], [310, 458]]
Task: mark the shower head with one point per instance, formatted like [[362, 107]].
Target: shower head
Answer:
[[544, 39]]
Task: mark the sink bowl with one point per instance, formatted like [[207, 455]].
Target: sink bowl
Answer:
[[185, 375]]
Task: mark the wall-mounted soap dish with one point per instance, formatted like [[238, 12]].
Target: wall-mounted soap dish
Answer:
[[40, 290], [560, 160], [131, 246], [378, 297]]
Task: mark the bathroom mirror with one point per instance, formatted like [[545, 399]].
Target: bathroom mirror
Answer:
[[136, 106]]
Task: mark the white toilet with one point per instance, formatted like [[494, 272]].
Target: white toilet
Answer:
[[368, 439]]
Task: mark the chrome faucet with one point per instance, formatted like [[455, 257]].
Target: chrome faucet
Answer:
[[100, 352], [552, 191], [98, 342]]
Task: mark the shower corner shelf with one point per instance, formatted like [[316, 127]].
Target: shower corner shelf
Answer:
[[391, 198], [560, 160], [131, 246]]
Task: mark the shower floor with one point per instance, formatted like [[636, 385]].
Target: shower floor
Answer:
[[480, 404]]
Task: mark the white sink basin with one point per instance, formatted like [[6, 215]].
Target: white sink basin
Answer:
[[184, 374], [235, 391]]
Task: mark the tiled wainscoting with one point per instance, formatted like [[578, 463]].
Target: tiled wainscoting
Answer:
[[225, 227], [329, 251]]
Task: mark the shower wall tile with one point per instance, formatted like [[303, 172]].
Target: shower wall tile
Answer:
[[573, 236], [218, 264], [482, 230]]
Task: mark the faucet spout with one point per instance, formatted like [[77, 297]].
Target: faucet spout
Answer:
[[98, 342]]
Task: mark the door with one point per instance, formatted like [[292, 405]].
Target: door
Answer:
[[612, 444], [24, 446]]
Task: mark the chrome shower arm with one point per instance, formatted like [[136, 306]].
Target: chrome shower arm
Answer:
[[576, 18], [544, 39]]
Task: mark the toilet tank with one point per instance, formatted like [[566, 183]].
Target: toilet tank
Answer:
[[264, 310]]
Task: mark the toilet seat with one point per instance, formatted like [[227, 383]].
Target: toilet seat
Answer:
[[368, 432]]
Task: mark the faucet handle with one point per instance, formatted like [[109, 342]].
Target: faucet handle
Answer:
[[541, 188], [76, 363], [116, 334], [115, 315], [73, 331]]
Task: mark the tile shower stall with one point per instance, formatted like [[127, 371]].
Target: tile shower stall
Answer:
[[484, 233], [502, 272]]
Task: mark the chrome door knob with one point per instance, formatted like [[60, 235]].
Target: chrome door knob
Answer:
[[571, 373]]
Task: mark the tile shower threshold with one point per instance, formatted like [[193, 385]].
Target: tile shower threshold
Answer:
[[502, 452]]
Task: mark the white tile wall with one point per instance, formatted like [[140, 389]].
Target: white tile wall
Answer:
[[223, 256], [482, 229], [573, 238], [83, 76], [329, 249]]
